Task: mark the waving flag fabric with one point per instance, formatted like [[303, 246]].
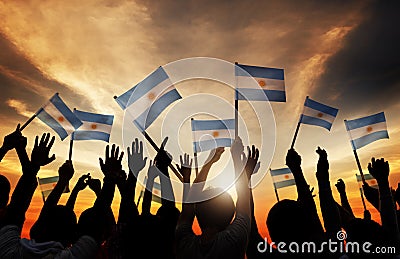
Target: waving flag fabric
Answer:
[[156, 192], [366, 130], [148, 99], [270, 80], [59, 117], [369, 179], [282, 177], [210, 134], [47, 185], [318, 114], [94, 127]]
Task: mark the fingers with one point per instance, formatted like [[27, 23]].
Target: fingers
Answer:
[[42, 138], [52, 158], [121, 156], [18, 129], [107, 151], [51, 142], [180, 158], [140, 147], [164, 143], [36, 141]]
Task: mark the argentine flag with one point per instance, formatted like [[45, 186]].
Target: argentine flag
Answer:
[[210, 134], [146, 101], [47, 185], [365, 130], [318, 114], [369, 179], [270, 80], [282, 177], [59, 117], [94, 127]]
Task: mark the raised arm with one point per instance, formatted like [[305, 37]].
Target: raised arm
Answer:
[[242, 184], [379, 169], [163, 160], [305, 197], [65, 172], [136, 161], [27, 184], [185, 169], [152, 174], [79, 186], [111, 167], [341, 187], [330, 212]]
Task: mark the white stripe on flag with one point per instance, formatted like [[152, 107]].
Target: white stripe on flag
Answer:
[[144, 102], [202, 135], [363, 131], [247, 82], [282, 177], [318, 114], [59, 117], [94, 126]]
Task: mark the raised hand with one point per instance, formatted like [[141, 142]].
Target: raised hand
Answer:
[[40, 153], [83, 182], [379, 169], [323, 165], [136, 161], [340, 186], [185, 168], [12, 140], [293, 159], [163, 158], [112, 165], [237, 150], [153, 171], [252, 161], [215, 155], [66, 171]]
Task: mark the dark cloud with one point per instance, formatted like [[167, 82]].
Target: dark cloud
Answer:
[[365, 73], [23, 81]]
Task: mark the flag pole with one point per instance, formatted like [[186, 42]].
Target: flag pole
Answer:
[[71, 144], [28, 122], [355, 153], [154, 145], [196, 163], [236, 106], [362, 195], [276, 191], [296, 133]]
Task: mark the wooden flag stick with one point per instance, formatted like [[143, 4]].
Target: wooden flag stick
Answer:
[[196, 163], [28, 121], [295, 134], [71, 144], [236, 106], [362, 195], [154, 145], [355, 153], [276, 191]]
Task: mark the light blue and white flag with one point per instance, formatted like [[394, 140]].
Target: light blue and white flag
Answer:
[[369, 179], [94, 127], [47, 184], [59, 117], [270, 80], [368, 129], [318, 114], [282, 177], [210, 134], [148, 99]]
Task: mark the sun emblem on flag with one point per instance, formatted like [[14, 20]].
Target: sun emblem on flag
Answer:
[[287, 176], [261, 83], [320, 114], [373, 182], [369, 129], [215, 134], [61, 119], [151, 96], [94, 126]]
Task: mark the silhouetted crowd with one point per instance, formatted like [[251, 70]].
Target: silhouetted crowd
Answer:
[[228, 228]]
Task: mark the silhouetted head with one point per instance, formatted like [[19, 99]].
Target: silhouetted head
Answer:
[[58, 223], [216, 212], [97, 224], [287, 221], [4, 191]]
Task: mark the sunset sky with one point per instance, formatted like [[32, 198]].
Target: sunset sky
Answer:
[[342, 53]]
